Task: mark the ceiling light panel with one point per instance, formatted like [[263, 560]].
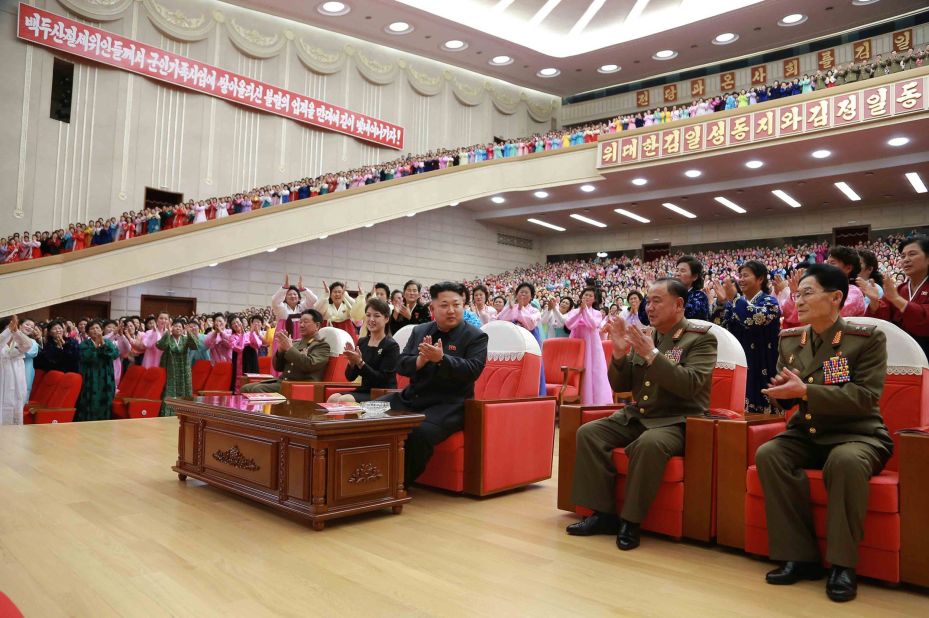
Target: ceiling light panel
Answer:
[[918, 185], [631, 215], [730, 205], [588, 220], [679, 210], [848, 191], [787, 199], [550, 226]]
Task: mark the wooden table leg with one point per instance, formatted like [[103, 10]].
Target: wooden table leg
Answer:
[[397, 509], [318, 525]]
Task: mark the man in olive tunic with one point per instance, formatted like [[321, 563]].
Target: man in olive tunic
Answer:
[[305, 359], [670, 374], [835, 371]]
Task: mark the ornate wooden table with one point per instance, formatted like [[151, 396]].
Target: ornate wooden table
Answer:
[[293, 456]]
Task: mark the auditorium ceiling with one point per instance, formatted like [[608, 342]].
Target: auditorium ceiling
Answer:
[[570, 46], [864, 159]]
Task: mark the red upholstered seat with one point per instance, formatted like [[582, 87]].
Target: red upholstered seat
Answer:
[[685, 503], [264, 364], [219, 380], [37, 380], [144, 400], [42, 389], [904, 404], [199, 374], [564, 367], [508, 439], [7, 608], [59, 397]]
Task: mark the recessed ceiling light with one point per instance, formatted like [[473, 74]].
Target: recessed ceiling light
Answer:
[[794, 19], [497, 199], [693, 173], [588, 220], [848, 191], [588, 188], [679, 210], [541, 194], [548, 72], [725, 38], [753, 164], [665, 54], [730, 205], [500, 61], [821, 154], [272, 250], [609, 68], [863, 2], [916, 181], [333, 9], [412, 214], [639, 182], [550, 226], [602, 254], [369, 225], [787, 199], [454, 45], [214, 264], [631, 215], [399, 27], [324, 237], [453, 204], [898, 141]]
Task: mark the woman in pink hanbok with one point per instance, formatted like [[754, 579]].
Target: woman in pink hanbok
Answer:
[[584, 323], [519, 311], [241, 339]]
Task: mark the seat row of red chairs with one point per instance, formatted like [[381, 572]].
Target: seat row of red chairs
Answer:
[[53, 397], [713, 492]]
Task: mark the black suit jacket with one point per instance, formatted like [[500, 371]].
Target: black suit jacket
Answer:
[[439, 390]]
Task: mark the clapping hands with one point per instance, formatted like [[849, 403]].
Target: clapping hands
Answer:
[[352, 354]]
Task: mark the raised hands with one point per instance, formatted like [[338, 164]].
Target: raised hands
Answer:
[[639, 341], [794, 281], [352, 354], [617, 331], [14, 324], [785, 385], [284, 342], [300, 283], [872, 290], [326, 288], [432, 352], [286, 281]]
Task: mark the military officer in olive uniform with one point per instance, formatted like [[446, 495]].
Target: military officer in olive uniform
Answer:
[[304, 359], [835, 371], [670, 374]]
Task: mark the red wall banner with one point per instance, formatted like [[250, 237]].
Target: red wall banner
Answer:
[[50, 30]]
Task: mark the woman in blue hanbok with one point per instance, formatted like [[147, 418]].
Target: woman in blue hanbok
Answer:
[[690, 272], [754, 317]]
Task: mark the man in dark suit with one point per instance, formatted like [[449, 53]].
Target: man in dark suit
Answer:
[[443, 359]]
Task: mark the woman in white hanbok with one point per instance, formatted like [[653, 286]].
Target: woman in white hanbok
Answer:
[[13, 346]]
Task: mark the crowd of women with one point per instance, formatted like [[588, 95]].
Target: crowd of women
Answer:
[[749, 291], [161, 216]]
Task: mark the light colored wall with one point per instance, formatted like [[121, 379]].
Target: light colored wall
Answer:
[[128, 132], [626, 103], [746, 228], [437, 245]]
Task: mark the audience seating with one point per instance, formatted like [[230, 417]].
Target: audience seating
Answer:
[[264, 364], [55, 401], [333, 378], [508, 437], [43, 385], [402, 336], [218, 381], [37, 380], [198, 375], [8, 609], [141, 398], [895, 546], [563, 360], [685, 504]]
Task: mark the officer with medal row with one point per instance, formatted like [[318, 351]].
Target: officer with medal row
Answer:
[[834, 370], [669, 374]]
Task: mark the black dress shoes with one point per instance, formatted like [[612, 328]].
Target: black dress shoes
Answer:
[[628, 536], [842, 584], [598, 523], [792, 572]]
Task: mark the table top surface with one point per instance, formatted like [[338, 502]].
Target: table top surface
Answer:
[[305, 411]]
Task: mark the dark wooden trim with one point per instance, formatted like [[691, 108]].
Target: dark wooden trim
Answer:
[[699, 469], [474, 447], [914, 508]]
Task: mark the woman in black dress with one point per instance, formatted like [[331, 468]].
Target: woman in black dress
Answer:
[[377, 355]]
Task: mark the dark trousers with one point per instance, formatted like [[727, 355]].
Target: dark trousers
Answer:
[[421, 442], [648, 451], [846, 467]]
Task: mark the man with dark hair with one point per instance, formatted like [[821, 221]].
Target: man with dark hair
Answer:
[[305, 359], [443, 359], [834, 370], [906, 305], [669, 374]]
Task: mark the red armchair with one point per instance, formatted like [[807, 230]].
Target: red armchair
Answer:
[[199, 374], [264, 364], [885, 552], [144, 400], [43, 388], [218, 382], [564, 367], [58, 400], [686, 501], [508, 436], [333, 378]]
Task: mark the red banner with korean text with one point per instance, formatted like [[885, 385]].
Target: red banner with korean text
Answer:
[[63, 34]]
